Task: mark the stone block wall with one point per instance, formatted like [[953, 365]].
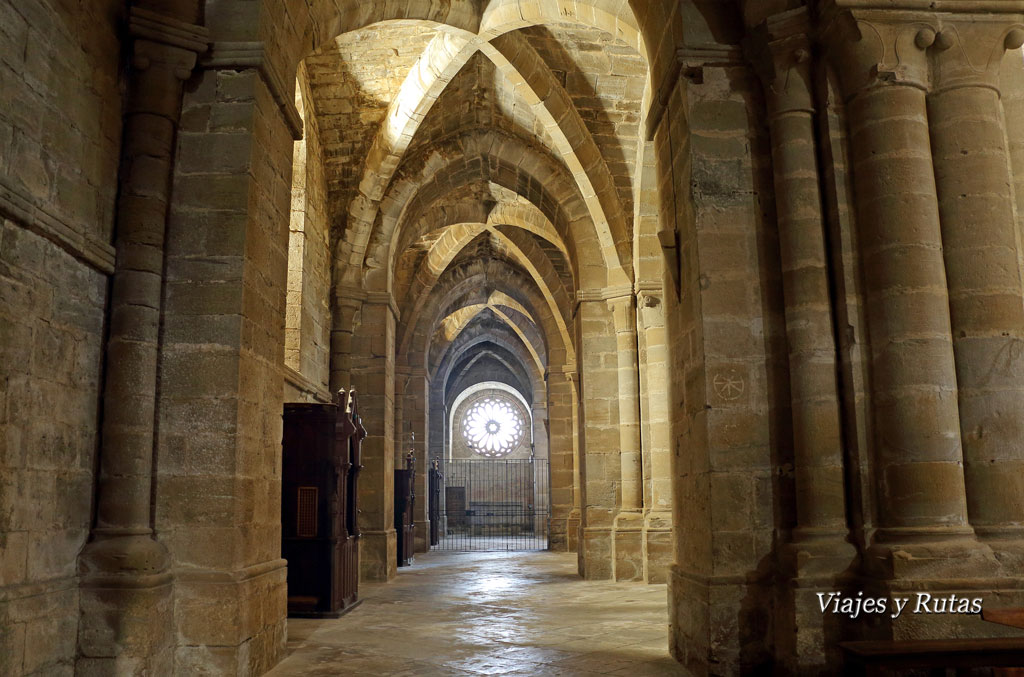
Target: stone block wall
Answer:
[[308, 317], [51, 329], [60, 129]]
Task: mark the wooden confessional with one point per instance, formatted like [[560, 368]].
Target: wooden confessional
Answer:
[[405, 500], [319, 531]]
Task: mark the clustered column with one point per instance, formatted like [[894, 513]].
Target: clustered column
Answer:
[[919, 475], [981, 247]]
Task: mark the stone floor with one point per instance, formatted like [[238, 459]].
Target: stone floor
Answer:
[[489, 613]]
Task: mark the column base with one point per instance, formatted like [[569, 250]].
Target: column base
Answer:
[[657, 545], [720, 625], [628, 562], [558, 534], [572, 531], [125, 602], [595, 553], [933, 576], [378, 555], [422, 543], [818, 562], [1007, 543], [125, 626]]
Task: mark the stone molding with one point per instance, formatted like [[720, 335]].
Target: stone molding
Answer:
[[148, 25], [231, 576], [932, 6], [227, 55], [688, 62], [307, 386], [412, 372], [603, 293], [351, 294], [22, 210]]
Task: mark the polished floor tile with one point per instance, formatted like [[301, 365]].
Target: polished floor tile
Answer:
[[489, 613]]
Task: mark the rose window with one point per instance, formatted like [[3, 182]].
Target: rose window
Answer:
[[493, 427]]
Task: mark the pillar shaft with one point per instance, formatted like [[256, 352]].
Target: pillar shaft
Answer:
[[126, 459], [817, 434], [919, 477], [981, 247], [561, 452], [373, 376], [624, 313]]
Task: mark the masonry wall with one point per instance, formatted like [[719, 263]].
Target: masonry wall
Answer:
[[307, 321], [60, 126]]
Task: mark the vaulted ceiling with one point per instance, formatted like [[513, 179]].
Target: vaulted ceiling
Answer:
[[482, 182]]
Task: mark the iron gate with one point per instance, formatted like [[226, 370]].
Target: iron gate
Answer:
[[493, 505]]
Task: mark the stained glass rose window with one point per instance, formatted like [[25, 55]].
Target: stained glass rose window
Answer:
[[493, 427]]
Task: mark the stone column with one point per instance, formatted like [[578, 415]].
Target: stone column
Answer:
[[981, 245], [628, 541], [342, 319], [600, 464], [373, 376], [561, 449], [919, 478], [817, 435], [819, 551], [654, 389], [414, 410], [126, 584], [923, 539]]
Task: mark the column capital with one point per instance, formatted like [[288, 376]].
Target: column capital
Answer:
[[651, 309], [780, 52], [624, 313], [968, 50], [164, 53], [879, 47]]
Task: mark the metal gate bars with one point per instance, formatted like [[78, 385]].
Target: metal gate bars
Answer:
[[493, 505]]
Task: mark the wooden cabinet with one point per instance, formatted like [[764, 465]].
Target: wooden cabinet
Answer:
[[405, 500], [319, 533]]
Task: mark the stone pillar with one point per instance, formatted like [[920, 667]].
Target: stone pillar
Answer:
[[414, 412], [981, 245], [628, 541], [561, 449], [126, 584], [342, 324], [819, 551], [600, 467], [654, 389], [373, 376]]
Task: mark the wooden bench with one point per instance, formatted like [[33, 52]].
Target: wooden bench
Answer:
[[1004, 654]]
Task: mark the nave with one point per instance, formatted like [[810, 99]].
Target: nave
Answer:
[[489, 613]]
